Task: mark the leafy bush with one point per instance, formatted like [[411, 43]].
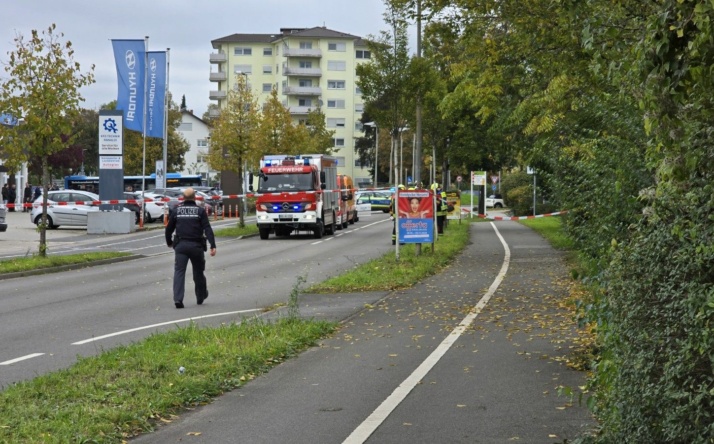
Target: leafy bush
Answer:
[[655, 380]]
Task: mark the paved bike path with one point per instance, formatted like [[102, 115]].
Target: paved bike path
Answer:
[[495, 382]]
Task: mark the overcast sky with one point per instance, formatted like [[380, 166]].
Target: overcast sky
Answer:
[[187, 27]]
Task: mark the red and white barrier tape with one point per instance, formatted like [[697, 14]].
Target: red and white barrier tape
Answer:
[[486, 216]]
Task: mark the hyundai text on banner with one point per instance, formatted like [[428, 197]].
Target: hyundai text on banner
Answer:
[[129, 58], [156, 93]]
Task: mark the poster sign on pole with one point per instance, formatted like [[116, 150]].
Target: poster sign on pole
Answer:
[[416, 216]]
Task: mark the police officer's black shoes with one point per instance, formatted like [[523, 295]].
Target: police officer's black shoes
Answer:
[[179, 304], [200, 300]]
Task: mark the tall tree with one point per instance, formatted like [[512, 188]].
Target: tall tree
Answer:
[[276, 132], [320, 139], [384, 79], [42, 88], [234, 140]]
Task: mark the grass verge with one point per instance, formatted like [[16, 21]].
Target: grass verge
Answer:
[[236, 231], [131, 389], [551, 229], [28, 263], [386, 273]]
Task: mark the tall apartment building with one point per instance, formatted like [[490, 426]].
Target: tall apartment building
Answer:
[[309, 67]]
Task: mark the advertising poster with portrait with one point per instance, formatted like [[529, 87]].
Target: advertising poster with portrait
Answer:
[[416, 216]]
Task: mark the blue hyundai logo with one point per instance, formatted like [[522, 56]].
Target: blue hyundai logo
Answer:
[[153, 65], [130, 59]]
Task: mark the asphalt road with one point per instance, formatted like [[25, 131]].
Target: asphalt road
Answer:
[[47, 320]]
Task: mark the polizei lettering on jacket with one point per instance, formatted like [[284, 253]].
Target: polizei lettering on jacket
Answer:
[[187, 212]]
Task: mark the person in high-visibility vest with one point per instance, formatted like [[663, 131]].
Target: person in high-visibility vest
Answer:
[[441, 207], [392, 208]]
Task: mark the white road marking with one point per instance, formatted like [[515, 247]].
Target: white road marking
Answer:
[[369, 425], [21, 358], [98, 338]]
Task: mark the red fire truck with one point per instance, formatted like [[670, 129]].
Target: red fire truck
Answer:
[[297, 193]]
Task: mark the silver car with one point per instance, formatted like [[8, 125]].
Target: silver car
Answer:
[[3, 214], [70, 215]]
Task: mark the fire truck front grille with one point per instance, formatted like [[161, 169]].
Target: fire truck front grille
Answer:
[[285, 207]]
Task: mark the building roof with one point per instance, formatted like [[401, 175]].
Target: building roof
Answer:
[[318, 32], [190, 113]]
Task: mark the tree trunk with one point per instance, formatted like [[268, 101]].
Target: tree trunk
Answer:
[[43, 225], [241, 187]]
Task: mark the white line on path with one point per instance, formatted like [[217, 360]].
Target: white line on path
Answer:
[[98, 338], [369, 425], [21, 358]]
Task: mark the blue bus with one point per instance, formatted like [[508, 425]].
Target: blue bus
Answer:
[[91, 183]]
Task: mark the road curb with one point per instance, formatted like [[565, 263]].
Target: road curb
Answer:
[[69, 267]]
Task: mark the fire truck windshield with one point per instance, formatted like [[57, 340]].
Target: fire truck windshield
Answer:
[[271, 183]]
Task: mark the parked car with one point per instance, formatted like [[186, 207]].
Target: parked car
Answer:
[[153, 210], [3, 214], [177, 193], [494, 201], [136, 208], [71, 215], [213, 192], [379, 200]]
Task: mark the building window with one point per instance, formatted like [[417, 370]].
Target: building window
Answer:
[[305, 64], [359, 107], [243, 69], [267, 51], [339, 141], [363, 54], [202, 143], [335, 84], [186, 126], [305, 82], [335, 123], [304, 102], [243, 51], [336, 65], [358, 90], [336, 46], [267, 69], [336, 104], [202, 158], [359, 126], [305, 45], [359, 164], [267, 87]]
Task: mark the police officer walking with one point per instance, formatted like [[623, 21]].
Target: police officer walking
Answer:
[[191, 224]]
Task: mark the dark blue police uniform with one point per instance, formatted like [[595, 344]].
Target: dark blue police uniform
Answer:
[[191, 224]]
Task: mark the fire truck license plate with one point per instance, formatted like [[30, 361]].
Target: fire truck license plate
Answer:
[[285, 216]]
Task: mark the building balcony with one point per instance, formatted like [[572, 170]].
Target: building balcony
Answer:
[[302, 72], [218, 76], [302, 52], [302, 90], [214, 112], [217, 95], [218, 57], [300, 110]]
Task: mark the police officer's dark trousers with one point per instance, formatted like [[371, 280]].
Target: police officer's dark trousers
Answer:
[[187, 250]]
